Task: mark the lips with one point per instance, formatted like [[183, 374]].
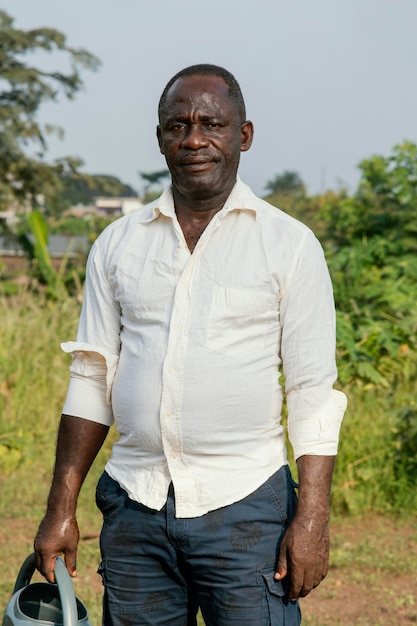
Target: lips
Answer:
[[196, 165], [196, 160]]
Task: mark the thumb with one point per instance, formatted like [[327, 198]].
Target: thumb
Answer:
[[281, 568]]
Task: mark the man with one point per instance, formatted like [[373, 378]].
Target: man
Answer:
[[191, 306]]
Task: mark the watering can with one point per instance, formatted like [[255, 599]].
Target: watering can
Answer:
[[44, 604]]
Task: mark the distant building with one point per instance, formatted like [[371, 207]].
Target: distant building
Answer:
[[9, 217], [13, 258], [115, 207]]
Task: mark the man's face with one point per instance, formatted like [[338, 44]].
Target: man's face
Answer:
[[201, 134]]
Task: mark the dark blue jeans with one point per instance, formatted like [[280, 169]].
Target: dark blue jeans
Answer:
[[158, 569]]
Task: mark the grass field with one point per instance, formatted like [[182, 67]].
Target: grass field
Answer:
[[373, 578]]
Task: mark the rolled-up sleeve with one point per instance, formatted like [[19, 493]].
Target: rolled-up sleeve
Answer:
[[95, 353], [92, 375], [308, 342], [316, 417]]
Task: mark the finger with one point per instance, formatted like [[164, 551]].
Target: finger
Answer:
[[297, 582], [295, 591], [311, 582], [47, 567], [71, 562], [308, 584]]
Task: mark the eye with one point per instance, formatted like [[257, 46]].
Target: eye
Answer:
[[177, 126], [213, 125]]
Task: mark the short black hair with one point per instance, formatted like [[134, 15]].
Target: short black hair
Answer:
[[206, 69]]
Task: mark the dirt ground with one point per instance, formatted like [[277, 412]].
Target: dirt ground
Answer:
[[372, 580]]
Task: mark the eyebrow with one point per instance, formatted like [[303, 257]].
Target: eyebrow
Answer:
[[186, 120]]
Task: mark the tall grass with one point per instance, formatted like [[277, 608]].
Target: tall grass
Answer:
[[374, 469], [33, 378]]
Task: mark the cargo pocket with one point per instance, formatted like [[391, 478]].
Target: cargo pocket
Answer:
[[277, 610]]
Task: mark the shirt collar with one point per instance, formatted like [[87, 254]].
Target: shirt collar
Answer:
[[241, 198]]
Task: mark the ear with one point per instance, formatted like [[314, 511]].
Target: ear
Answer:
[[247, 131], [159, 137]]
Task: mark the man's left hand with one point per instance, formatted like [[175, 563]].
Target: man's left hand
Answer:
[[304, 555], [304, 550]]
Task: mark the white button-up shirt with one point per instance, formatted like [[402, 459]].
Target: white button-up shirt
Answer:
[[184, 351]]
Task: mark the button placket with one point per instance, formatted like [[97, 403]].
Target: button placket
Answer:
[[171, 376]]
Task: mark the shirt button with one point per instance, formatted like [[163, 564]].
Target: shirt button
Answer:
[[171, 370]]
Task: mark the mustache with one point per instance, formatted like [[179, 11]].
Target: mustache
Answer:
[[196, 157]]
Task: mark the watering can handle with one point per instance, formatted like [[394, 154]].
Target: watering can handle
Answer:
[[66, 591]]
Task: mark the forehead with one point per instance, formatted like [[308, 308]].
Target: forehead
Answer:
[[202, 91]]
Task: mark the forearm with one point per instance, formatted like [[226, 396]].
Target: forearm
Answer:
[[78, 443], [315, 479]]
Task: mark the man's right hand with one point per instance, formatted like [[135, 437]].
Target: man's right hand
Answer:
[[79, 440], [56, 538]]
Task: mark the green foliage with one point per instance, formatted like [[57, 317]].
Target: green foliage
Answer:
[[372, 245], [387, 194], [377, 321], [40, 252], [375, 469], [58, 283], [405, 456], [23, 90]]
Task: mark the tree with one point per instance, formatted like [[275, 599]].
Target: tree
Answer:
[[287, 191], [23, 89], [152, 179], [385, 203], [287, 182], [81, 188]]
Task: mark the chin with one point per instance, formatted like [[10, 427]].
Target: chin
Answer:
[[203, 185]]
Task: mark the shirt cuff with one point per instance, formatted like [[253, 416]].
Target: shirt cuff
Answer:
[[314, 419], [86, 398]]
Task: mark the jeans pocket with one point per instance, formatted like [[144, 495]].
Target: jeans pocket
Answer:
[[106, 491], [276, 488]]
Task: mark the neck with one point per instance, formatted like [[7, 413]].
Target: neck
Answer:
[[194, 215], [199, 206]]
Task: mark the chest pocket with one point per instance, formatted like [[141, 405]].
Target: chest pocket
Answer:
[[145, 290], [239, 319]]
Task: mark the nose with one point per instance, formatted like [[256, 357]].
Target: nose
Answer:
[[195, 137]]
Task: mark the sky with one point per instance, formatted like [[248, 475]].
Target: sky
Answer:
[[327, 83]]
